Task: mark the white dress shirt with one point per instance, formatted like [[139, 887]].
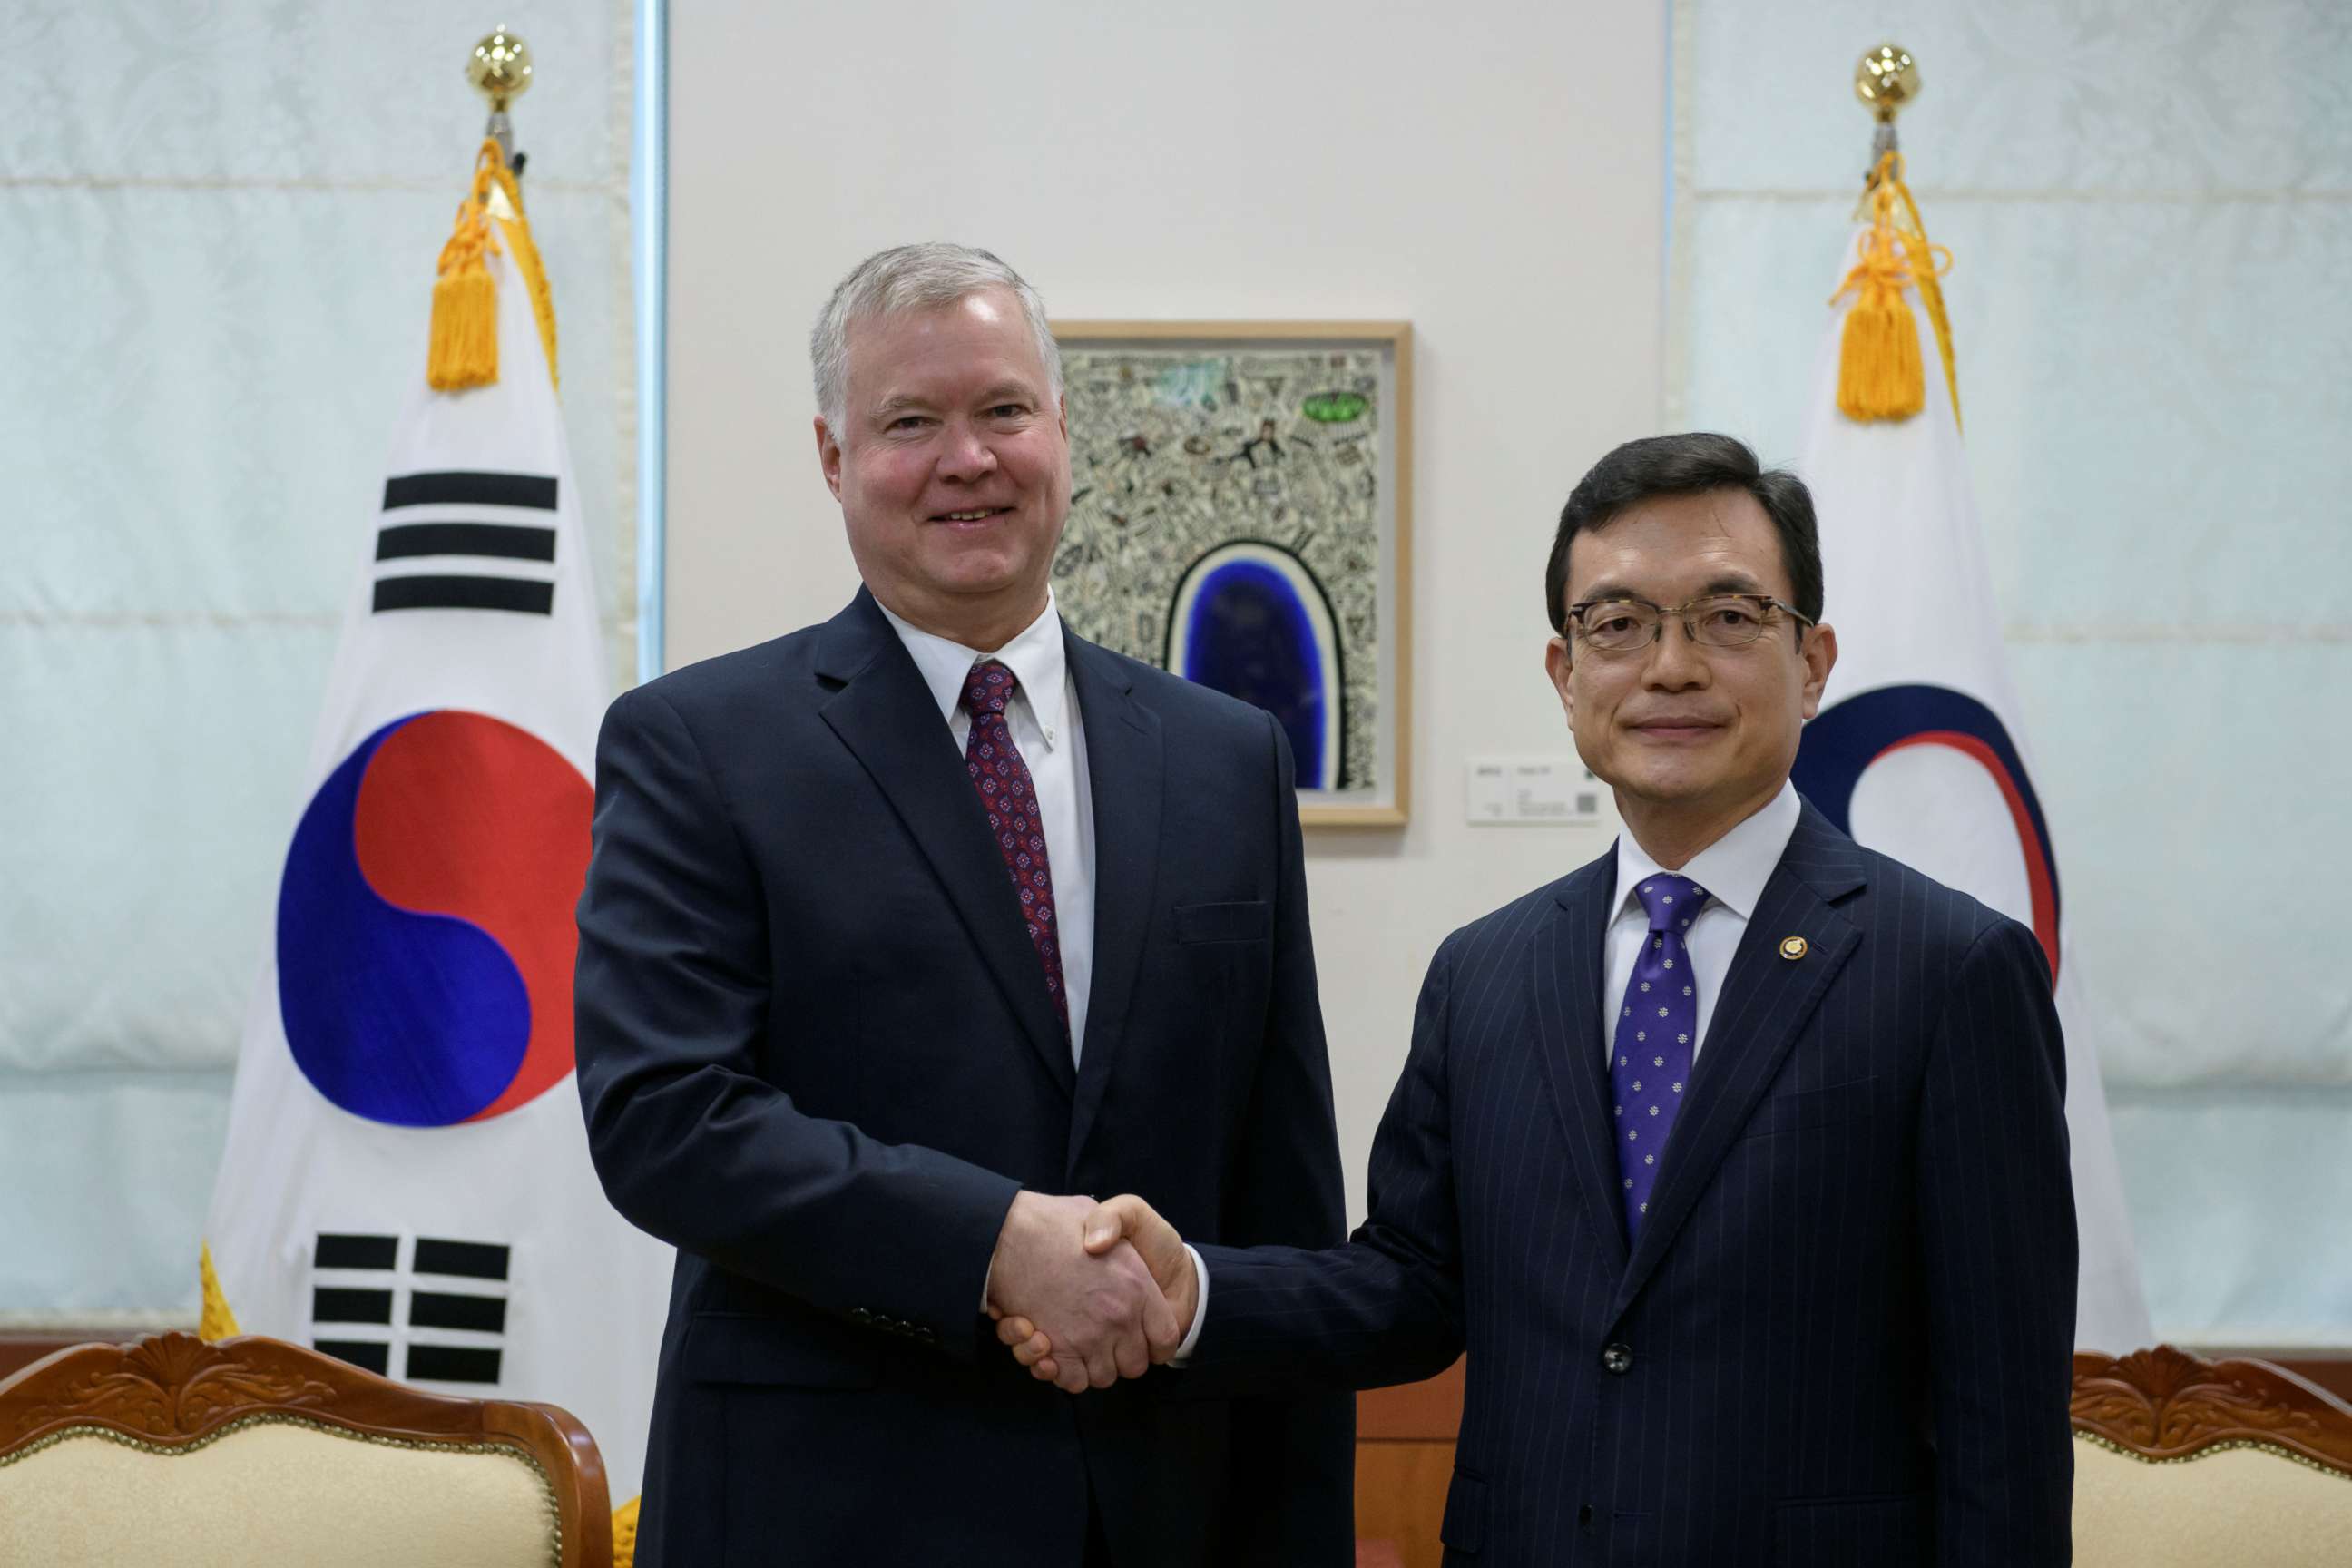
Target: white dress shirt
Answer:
[[1733, 869], [1051, 739]]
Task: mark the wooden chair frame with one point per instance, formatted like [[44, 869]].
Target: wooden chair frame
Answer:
[[2164, 1405], [174, 1391]]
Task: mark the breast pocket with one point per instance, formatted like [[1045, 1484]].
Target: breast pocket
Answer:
[[1252, 921], [1220, 969], [1831, 1105]]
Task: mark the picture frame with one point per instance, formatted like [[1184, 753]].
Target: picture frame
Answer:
[[1242, 514]]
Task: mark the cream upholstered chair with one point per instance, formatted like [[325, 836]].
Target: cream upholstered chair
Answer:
[[2182, 1462], [173, 1452]]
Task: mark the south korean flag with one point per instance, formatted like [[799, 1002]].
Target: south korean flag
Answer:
[[407, 1182]]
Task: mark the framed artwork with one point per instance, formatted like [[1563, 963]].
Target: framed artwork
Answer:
[[1241, 514]]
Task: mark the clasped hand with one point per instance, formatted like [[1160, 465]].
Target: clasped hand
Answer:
[[1119, 1303]]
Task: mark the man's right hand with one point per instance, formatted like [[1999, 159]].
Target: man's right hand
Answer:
[[1104, 1310], [1126, 1224]]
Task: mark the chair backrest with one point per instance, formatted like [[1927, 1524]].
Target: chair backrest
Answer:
[[2181, 1460], [177, 1453]]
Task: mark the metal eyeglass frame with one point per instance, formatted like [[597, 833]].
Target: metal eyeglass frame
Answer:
[[1766, 603]]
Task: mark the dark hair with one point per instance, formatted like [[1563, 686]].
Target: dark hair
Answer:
[[1688, 465]]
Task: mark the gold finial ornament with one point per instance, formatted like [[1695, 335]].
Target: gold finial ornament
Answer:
[[500, 68], [1886, 80]]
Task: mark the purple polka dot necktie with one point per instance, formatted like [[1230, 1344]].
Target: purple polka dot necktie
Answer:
[[1657, 1024], [1005, 790]]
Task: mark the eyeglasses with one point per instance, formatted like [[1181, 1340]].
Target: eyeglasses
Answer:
[[1716, 620]]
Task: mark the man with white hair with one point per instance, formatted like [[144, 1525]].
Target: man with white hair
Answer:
[[898, 924]]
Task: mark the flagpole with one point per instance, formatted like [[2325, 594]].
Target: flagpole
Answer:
[[1886, 80], [499, 68], [649, 208]]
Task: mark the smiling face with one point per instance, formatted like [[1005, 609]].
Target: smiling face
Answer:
[[1694, 739], [953, 467]]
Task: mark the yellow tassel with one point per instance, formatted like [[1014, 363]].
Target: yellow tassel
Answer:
[[1878, 361], [1879, 372], [625, 1534], [216, 1322], [465, 351]]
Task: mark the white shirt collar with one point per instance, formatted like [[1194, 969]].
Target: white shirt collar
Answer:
[[1734, 868], [1036, 658]]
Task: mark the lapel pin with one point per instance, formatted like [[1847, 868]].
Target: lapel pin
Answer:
[[1792, 948]]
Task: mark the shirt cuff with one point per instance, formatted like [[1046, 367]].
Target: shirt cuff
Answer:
[[1200, 1307]]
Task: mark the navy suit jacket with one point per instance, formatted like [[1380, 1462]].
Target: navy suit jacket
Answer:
[[1845, 1337], [817, 1054]]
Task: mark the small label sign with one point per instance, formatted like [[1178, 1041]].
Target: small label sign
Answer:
[[1522, 790]]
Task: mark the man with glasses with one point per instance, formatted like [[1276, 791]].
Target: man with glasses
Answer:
[[1737, 1158]]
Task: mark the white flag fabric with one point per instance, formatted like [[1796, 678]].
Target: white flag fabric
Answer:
[[1918, 751], [406, 1181]]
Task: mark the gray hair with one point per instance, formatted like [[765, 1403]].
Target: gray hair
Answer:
[[915, 277]]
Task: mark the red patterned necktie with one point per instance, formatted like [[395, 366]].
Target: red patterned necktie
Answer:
[[1011, 799]]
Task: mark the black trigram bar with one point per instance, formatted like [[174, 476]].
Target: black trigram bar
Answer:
[[355, 1251], [534, 490], [451, 1363], [470, 1259], [376, 1358], [518, 593], [500, 539], [337, 1304], [440, 1310]]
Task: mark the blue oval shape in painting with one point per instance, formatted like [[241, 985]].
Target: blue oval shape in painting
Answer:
[[1250, 620]]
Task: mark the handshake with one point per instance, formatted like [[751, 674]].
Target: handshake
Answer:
[[1087, 1293]]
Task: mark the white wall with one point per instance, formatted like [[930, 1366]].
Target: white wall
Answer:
[[1492, 173]]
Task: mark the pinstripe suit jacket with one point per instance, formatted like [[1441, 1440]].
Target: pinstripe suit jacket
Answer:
[[1844, 1336]]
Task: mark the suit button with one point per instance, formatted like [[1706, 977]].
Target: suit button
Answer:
[[860, 1315], [927, 1336], [1617, 1359], [1584, 1514]]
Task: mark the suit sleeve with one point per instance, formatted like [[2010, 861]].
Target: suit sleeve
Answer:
[[1385, 1308], [1294, 1460], [671, 997], [1997, 1218]]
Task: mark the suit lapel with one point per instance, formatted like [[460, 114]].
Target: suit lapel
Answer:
[[1766, 998], [1568, 975], [887, 717], [1124, 781]]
